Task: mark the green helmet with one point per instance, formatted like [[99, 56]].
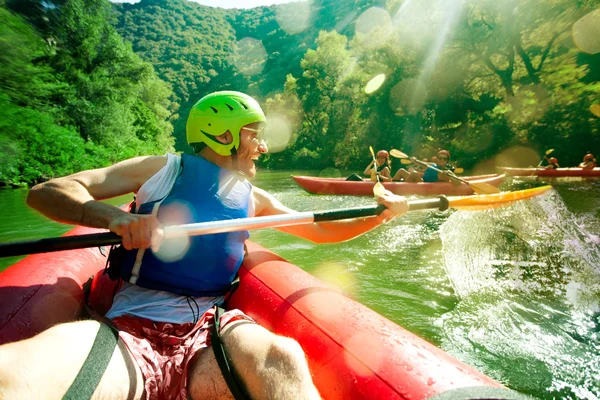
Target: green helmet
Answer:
[[219, 112]]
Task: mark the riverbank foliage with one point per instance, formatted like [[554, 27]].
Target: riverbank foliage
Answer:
[[478, 78], [73, 94]]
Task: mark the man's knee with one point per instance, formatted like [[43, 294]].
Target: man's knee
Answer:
[[285, 353]]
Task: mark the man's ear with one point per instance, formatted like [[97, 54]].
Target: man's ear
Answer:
[[225, 138]]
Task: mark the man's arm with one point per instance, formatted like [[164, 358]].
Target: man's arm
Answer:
[[330, 231], [74, 199]]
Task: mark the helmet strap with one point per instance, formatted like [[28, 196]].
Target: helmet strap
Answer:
[[234, 158], [234, 161]]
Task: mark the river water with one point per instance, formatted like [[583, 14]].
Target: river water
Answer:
[[514, 292]]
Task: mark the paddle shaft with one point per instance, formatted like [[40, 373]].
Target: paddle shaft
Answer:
[[211, 227], [548, 152], [374, 164]]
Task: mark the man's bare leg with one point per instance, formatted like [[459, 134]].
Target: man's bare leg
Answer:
[[270, 366], [45, 366]]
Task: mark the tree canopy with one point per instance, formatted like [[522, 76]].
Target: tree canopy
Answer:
[[480, 78], [74, 95]]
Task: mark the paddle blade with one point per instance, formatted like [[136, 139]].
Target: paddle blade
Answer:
[[489, 201], [595, 109], [372, 152], [406, 161], [459, 170], [550, 151], [397, 153], [483, 188], [378, 189]]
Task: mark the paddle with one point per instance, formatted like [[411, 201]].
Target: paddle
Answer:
[[271, 221], [406, 161], [378, 189], [478, 187], [548, 152]]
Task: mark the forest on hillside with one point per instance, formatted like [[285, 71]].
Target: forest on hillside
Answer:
[[86, 83], [73, 94]]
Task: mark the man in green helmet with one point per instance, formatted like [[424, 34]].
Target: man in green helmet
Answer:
[[166, 305]]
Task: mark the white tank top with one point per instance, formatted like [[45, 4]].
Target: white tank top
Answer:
[[158, 305]]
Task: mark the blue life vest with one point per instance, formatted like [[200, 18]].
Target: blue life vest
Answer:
[[208, 264], [431, 175]]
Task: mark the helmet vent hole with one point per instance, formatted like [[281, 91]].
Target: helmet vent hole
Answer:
[[244, 105], [228, 106], [214, 109]]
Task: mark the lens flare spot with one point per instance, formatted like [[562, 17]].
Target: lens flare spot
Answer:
[[373, 27], [586, 33], [250, 56], [363, 355], [336, 275], [176, 246], [517, 156], [375, 83], [174, 249], [293, 17], [278, 132]]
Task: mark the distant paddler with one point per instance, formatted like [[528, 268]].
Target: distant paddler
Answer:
[[589, 161], [441, 161], [552, 163], [379, 167]]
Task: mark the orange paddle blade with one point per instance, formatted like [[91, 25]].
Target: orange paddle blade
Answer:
[[489, 201], [482, 188], [397, 153]]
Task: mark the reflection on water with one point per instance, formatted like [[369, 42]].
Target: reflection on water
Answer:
[[528, 280], [514, 292]]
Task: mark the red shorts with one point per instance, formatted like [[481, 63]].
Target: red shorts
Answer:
[[164, 350]]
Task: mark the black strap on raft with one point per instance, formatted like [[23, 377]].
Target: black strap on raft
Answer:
[[231, 377], [354, 177], [92, 370]]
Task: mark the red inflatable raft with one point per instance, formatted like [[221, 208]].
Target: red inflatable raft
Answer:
[[555, 173], [318, 185], [353, 352]]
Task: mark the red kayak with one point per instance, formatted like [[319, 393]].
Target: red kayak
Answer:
[[556, 173], [353, 352], [318, 185]]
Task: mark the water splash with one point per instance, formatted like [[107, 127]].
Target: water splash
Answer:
[[528, 279]]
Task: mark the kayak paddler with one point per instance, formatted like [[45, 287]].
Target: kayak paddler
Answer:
[[440, 161], [552, 163], [589, 161], [383, 167], [156, 339]]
